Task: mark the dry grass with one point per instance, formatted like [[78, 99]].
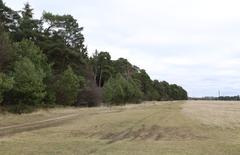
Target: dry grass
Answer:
[[214, 113], [8, 119], [169, 128]]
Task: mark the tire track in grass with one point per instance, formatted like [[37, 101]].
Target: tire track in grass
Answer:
[[14, 129], [137, 122]]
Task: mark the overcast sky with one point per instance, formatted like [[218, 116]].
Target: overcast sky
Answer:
[[194, 43]]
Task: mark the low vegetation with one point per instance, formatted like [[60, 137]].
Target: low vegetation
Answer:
[[176, 128], [44, 62]]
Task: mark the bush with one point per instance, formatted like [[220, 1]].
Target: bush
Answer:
[[20, 108], [90, 96], [68, 87]]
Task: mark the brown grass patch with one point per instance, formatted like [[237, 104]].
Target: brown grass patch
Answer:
[[224, 114], [154, 132]]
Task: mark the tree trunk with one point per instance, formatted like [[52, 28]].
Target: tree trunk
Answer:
[[100, 78]]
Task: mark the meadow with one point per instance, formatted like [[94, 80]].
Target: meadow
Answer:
[[169, 128]]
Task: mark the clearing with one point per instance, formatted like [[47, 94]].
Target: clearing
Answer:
[[169, 128]]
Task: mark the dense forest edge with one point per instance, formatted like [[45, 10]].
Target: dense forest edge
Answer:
[[45, 63]]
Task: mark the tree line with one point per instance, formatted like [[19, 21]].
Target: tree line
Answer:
[[220, 98], [44, 62]]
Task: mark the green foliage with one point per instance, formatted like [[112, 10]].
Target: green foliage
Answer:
[[6, 51], [41, 61], [28, 49], [29, 72], [68, 87], [163, 90], [177, 92], [63, 43], [65, 26], [28, 27], [102, 67], [132, 91], [119, 91], [146, 85], [8, 18], [28, 87], [6, 84], [113, 92], [124, 67], [170, 92]]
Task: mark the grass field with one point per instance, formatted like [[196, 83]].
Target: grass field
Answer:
[[169, 128]]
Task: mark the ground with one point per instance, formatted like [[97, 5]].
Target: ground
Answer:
[[166, 128]]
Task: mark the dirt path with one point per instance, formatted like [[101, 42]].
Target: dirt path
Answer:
[[13, 129]]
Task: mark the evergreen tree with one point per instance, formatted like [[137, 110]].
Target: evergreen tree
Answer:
[[9, 19], [68, 87], [146, 85], [124, 67], [29, 72], [28, 27], [28, 89], [6, 51], [120, 91], [102, 67], [6, 84], [46, 61], [67, 27], [63, 43]]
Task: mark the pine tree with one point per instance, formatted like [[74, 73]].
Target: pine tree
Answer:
[[9, 19], [68, 87], [28, 27]]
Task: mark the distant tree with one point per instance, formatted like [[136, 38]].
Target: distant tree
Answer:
[[113, 92], [124, 67], [170, 91], [146, 85], [182, 94], [163, 89], [133, 93], [120, 91], [102, 67]]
